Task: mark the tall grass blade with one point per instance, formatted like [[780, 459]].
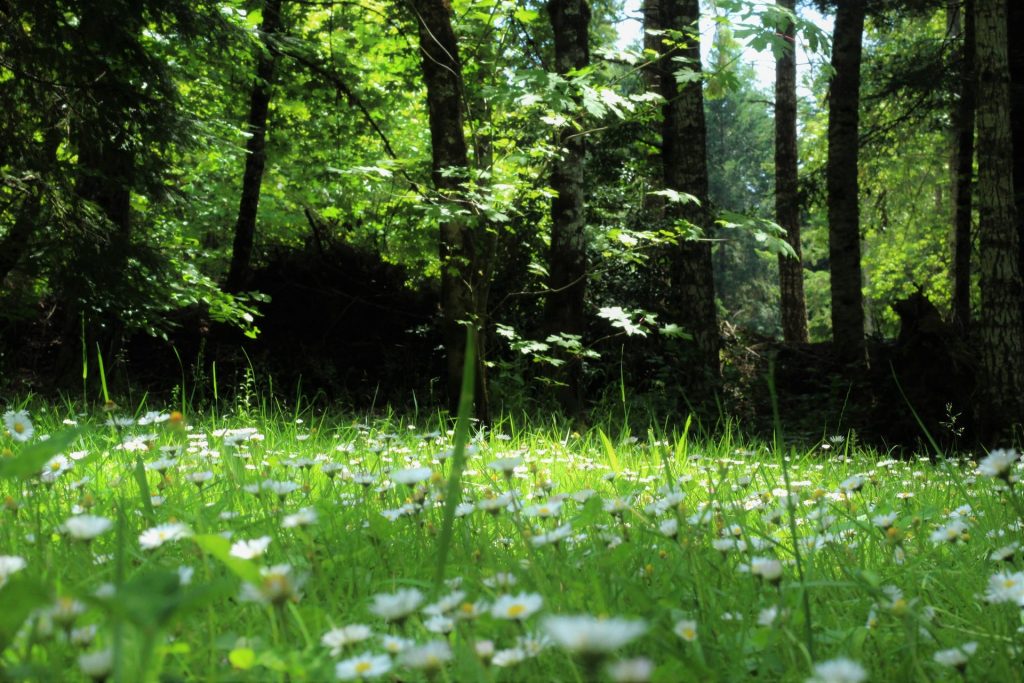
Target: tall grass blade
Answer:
[[458, 455], [791, 511]]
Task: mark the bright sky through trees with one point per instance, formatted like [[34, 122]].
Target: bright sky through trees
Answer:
[[631, 28]]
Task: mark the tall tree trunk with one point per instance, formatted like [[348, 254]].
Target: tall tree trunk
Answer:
[[1000, 324], [651, 10], [255, 148], [843, 188], [1015, 26], [684, 155], [787, 197], [653, 204], [462, 277], [567, 260], [963, 119], [106, 160]]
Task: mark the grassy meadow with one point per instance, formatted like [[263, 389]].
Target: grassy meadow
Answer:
[[272, 546]]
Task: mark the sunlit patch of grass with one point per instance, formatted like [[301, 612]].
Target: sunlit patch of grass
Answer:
[[305, 548]]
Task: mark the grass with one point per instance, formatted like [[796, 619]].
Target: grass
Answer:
[[685, 552]]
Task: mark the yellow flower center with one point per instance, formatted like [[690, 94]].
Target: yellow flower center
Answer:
[[1009, 583], [689, 634], [363, 667], [516, 610], [19, 427]]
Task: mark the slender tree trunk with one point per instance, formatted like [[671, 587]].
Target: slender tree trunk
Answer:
[[1015, 27], [1000, 324], [106, 160], [461, 275], [653, 204], [963, 119], [843, 188], [255, 148], [787, 197], [652, 42], [567, 260], [684, 155]]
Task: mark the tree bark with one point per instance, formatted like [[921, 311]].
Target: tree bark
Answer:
[[1015, 25], [255, 148], [106, 162], [567, 259], [651, 10], [843, 188], [1001, 324], [787, 197], [462, 274], [684, 156], [963, 119]]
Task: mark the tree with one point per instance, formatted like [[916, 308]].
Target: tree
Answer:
[[684, 167], [461, 271], [567, 260], [1015, 24], [103, 136], [842, 184], [255, 147], [963, 155], [1000, 324], [787, 198]]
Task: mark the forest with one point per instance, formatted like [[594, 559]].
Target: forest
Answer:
[[323, 195], [511, 340]]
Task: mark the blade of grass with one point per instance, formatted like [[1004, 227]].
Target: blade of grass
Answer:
[[791, 511], [458, 454], [103, 375]]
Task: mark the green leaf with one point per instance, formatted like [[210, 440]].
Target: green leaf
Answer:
[[31, 459], [609, 449], [242, 658], [220, 548], [18, 599], [673, 330]]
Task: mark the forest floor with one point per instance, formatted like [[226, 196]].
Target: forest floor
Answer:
[[271, 546]]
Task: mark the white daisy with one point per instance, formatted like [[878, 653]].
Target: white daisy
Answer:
[[250, 549], [411, 476], [86, 527], [278, 584], [516, 607], [839, 670], [10, 564], [18, 424], [398, 605], [589, 635], [158, 535], [1006, 587], [97, 665], [956, 657], [997, 464], [337, 638], [429, 657], [304, 517], [637, 670], [366, 665], [686, 629]]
